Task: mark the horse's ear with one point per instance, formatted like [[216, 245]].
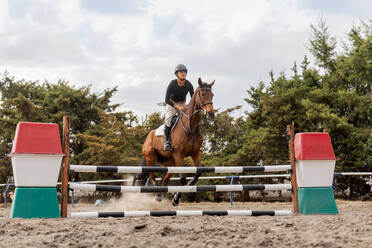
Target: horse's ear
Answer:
[[200, 82], [212, 83]]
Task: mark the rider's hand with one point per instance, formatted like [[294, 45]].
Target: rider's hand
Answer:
[[179, 107]]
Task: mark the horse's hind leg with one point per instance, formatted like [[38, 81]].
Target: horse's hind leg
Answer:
[[150, 159], [149, 153], [143, 177]]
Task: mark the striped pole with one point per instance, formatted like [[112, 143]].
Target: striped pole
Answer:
[[353, 173], [175, 189], [141, 169], [188, 178], [181, 213]]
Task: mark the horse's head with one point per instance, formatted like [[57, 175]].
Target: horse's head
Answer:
[[205, 98]]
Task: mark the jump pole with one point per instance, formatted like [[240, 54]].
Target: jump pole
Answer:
[[175, 169], [158, 213], [175, 189], [66, 163]]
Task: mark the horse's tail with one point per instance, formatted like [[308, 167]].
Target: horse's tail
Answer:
[[142, 177]]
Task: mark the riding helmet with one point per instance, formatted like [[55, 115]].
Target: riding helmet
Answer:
[[180, 67]]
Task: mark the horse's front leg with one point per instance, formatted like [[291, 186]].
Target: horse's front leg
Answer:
[[177, 196], [166, 179], [196, 159], [152, 179]]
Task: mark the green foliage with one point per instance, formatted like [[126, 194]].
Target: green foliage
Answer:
[[46, 102], [221, 137], [323, 46], [338, 101]]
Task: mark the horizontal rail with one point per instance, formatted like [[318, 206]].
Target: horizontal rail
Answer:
[[177, 178], [190, 178], [181, 213], [353, 174], [216, 177], [174, 189], [150, 169]]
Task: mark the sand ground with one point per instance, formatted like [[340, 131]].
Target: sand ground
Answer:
[[351, 228]]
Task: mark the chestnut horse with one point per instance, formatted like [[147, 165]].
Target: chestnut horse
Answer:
[[186, 138]]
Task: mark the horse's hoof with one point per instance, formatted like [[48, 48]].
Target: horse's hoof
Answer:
[[158, 198], [175, 201]]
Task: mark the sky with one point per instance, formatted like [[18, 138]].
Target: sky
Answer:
[[135, 44]]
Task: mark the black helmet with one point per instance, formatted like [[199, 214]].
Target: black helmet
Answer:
[[180, 67]]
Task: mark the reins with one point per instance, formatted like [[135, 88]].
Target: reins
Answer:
[[200, 108]]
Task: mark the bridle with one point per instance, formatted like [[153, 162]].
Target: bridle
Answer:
[[200, 102], [201, 105]]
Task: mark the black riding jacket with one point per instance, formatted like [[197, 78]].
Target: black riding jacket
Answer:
[[177, 93]]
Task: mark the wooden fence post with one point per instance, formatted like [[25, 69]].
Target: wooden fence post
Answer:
[[66, 165], [291, 133]]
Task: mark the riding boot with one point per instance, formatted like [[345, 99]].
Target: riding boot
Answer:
[[167, 144]]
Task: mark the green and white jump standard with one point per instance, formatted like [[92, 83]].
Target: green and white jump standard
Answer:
[[36, 159], [315, 164]]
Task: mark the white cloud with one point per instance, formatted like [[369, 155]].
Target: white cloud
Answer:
[[136, 44]]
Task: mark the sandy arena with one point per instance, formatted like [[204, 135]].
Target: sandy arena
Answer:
[[351, 228]]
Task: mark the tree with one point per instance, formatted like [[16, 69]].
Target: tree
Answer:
[[32, 101], [337, 101], [322, 46]]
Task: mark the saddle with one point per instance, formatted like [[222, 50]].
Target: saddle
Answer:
[[160, 130]]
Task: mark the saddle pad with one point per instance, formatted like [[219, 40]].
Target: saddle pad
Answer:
[[160, 131]]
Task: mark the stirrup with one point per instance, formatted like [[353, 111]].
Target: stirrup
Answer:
[[167, 146]]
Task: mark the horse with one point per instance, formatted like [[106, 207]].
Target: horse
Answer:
[[186, 139]]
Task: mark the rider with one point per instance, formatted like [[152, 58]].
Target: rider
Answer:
[[175, 99]]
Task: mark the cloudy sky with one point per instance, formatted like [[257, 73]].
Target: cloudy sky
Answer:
[[135, 44]]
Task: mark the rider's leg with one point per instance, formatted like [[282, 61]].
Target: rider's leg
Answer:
[[167, 133], [169, 113], [167, 143]]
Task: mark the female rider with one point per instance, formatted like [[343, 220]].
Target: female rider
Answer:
[[175, 99]]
